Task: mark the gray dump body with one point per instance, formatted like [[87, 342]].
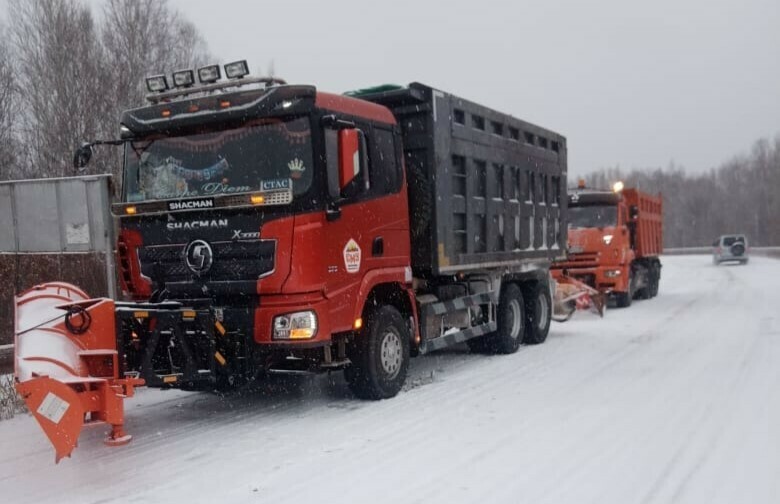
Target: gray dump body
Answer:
[[487, 190]]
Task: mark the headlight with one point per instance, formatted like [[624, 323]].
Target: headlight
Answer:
[[607, 239], [295, 326], [612, 273]]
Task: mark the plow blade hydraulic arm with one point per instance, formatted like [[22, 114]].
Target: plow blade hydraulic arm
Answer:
[[66, 364]]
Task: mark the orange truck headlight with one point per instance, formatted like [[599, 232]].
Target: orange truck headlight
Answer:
[[295, 326], [612, 273]]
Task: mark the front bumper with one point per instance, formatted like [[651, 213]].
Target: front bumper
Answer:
[[605, 279]]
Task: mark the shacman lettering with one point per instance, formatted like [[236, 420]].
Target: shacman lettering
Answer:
[[186, 205], [216, 223]]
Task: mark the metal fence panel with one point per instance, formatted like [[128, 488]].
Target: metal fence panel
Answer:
[[55, 215], [37, 217], [74, 216]]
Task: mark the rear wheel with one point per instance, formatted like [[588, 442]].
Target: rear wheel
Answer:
[[538, 309], [510, 325], [379, 356], [655, 280]]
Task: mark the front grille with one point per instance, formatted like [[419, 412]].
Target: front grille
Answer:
[[232, 261], [581, 260]]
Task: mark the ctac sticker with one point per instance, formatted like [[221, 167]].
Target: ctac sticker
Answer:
[[352, 256], [275, 185], [53, 407]]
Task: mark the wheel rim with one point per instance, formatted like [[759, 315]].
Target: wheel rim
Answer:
[[391, 353], [517, 320], [544, 309]]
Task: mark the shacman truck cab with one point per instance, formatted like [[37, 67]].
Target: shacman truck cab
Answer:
[[266, 226]]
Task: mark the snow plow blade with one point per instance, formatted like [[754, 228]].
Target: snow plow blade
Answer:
[[572, 295], [66, 364]]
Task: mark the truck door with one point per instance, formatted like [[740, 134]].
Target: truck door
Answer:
[[367, 227]]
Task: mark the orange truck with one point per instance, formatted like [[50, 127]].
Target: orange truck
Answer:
[[614, 240]]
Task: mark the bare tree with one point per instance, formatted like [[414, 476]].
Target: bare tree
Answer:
[[144, 37], [9, 110], [738, 197], [59, 67], [141, 38]]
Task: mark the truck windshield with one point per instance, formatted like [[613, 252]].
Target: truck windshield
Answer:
[[590, 216], [261, 154]]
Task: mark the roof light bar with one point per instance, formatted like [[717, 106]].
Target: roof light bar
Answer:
[[209, 74], [237, 69], [183, 78], [157, 84]]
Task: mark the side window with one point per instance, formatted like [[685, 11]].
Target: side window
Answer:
[[385, 168]]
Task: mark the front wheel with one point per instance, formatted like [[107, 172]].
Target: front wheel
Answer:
[[624, 299], [379, 355]]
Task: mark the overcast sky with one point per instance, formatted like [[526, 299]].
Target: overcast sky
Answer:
[[635, 84]]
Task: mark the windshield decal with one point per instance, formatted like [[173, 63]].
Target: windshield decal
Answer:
[[296, 168], [251, 158]]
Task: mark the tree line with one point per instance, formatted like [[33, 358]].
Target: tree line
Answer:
[[740, 196], [66, 73]]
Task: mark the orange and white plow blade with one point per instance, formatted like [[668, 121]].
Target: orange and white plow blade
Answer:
[[572, 295], [66, 364]]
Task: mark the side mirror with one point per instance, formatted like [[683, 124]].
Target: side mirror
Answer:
[[353, 162], [633, 212], [82, 156]]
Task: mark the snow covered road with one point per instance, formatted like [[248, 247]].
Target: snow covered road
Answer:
[[676, 399]]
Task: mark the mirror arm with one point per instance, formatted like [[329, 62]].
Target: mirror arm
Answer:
[[334, 122]]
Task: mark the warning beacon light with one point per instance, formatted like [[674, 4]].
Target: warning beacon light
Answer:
[[237, 69]]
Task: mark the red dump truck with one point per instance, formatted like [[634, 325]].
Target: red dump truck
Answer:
[[614, 240], [271, 227]]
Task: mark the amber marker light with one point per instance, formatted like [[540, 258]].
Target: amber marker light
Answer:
[[131, 210], [358, 323], [257, 199]]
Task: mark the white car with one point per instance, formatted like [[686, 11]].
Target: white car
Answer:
[[730, 248]]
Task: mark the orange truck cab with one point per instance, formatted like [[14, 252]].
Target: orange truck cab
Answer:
[[614, 240]]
